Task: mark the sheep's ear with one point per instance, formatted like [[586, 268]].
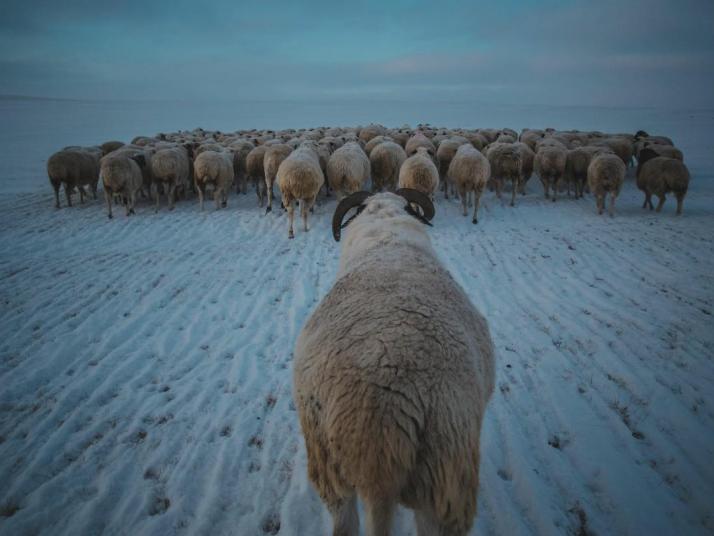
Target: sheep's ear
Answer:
[[356, 199]]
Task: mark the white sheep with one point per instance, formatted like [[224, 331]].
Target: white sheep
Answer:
[[550, 165], [170, 168], [506, 161], [660, 175], [214, 168], [392, 375], [300, 178], [348, 169], [606, 173], [75, 168], [386, 160], [419, 172], [273, 157], [121, 175], [469, 171]]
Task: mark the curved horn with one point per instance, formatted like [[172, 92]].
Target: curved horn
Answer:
[[343, 207], [418, 198]]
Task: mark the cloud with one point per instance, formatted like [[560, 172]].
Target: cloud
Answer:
[[642, 51]]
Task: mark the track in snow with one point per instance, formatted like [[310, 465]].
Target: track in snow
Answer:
[[145, 366]]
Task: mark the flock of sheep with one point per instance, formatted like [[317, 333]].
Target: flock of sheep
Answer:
[[394, 369], [462, 161]]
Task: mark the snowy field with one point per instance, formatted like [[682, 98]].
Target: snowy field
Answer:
[[145, 363]]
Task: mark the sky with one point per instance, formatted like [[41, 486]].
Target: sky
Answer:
[[553, 52]]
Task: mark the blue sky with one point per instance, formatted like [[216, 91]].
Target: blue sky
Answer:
[[646, 52]]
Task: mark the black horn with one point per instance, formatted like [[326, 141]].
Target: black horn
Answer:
[[343, 207], [420, 199]]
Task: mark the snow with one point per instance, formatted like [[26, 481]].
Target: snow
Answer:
[[145, 362]]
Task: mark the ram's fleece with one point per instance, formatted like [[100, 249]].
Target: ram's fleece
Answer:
[[392, 375]]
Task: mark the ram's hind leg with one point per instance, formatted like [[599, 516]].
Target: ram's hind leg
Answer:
[[379, 516]]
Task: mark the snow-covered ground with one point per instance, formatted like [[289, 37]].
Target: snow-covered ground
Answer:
[[145, 364]]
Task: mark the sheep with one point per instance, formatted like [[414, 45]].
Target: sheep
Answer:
[[506, 161], [418, 172], [300, 178], [576, 166], [144, 163], [215, 168], [469, 170], [444, 154], [254, 169], [109, 146], [369, 132], [240, 149], [386, 160], [392, 375], [420, 140], [348, 169], [121, 174], [670, 151], [527, 160], [550, 165], [530, 137], [621, 146], [659, 175], [606, 173], [75, 168], [371, 144], [274, 156], [170, 169]]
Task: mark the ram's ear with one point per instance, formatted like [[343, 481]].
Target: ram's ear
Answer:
[[351, 201]]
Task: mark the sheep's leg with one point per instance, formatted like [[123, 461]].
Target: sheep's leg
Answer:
[[661, 202], [477, 202], [305, 206], [499, 187], [647, 199], [172, 195], [217, 197], [81, 194], [514, 191], [680, 200], [613, 195], [94, 190], [199, 189], [68, 194], [379, 516], [269, 208], [555, 187], [56, 188], [108, 199], [464, 199], [155, 191], [290, 207], [600, 203], [345, 518], [446, 188], [263, 187], [132, 202], [546, 187]]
